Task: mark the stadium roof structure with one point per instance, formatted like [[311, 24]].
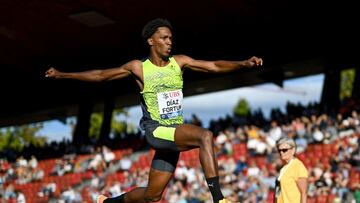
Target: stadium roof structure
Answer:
[[295, 38]]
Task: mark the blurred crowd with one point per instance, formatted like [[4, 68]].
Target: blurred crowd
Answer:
[[327, 143]]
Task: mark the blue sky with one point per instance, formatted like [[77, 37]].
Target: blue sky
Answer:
[[219, 104]]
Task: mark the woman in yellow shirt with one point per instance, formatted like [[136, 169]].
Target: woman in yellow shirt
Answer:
[[291, 185]]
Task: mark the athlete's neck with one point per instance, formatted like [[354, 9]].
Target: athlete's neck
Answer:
[[158, 61]]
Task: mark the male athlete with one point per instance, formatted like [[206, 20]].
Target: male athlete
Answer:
[[160, 80]]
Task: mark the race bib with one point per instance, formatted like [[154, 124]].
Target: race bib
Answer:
[[170, 104]]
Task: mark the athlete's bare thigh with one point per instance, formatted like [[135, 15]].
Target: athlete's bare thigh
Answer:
[[188, 136]]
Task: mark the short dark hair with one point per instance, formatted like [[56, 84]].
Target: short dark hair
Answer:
[[151, 27]]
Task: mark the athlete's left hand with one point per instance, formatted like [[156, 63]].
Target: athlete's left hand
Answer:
[[255, 61]]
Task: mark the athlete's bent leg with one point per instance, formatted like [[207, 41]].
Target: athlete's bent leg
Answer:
[[190, 136], [158, 181], [161, 171]]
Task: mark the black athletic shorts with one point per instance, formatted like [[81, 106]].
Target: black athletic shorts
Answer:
[[162, 139]]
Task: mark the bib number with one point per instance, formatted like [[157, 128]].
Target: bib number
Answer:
[[170, 104]]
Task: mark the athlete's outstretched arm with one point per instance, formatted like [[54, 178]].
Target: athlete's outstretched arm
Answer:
[[217, 66], [95, 75]]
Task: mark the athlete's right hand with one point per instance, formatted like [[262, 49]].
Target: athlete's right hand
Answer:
[[52, 73]]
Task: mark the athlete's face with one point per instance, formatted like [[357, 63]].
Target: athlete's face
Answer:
[[161, 41]]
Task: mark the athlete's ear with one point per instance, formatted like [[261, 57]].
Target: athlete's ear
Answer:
[[150, 41]]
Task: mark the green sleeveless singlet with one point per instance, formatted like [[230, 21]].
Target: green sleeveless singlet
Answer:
[[162, 92]]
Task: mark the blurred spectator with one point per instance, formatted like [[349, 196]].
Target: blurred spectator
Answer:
[[97, 162], [48, 189], [33, 162], [125, 163], [241, 165], [9, 192], [291, 184], [109, 156], [20, 197], [301, 144], [274, 134], [318, 135]]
